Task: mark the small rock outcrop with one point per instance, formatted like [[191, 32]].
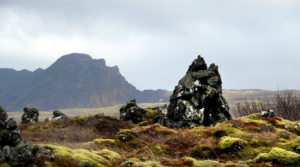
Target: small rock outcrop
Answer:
[[3, 115], [198, 99], [267, 114], [12, 148], [30, 115], [56, 116], [132, 112]]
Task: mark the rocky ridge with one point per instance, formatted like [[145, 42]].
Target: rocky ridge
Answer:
[[73, 81]]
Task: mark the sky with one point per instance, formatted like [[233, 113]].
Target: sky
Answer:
[[255, 43]]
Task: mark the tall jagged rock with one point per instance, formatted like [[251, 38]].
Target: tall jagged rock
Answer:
[[198, 98]]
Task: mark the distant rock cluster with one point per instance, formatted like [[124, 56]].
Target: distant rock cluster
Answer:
[[31, 115], [12, 147], [198, 99], [132, 112]]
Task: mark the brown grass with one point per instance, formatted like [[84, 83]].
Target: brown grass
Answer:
[[285, 103]]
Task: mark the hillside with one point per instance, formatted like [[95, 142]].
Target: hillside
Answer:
[[95, 140], [73, 81]]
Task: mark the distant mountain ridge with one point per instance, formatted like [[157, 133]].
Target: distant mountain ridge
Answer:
[[73, 81]]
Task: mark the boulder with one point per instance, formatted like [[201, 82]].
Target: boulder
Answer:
[[135, 114], [48, 119], [58, 115], [197, 99], [30, 115], [37, 151], [12, 148], [131, 112], [267, 114], [3, 114], [297, 128]]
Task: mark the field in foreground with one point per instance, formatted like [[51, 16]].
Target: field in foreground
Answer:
[[97, 140], [72, 112]]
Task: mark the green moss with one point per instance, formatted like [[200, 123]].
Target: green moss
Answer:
[[100, 121], [202, 163], [279, 156], [284, 122], [164, 130], [210, 163], [124, 131], [247, 151], [251, 116], [33, 128], [144, 123], [5, 131], [82, 156], [150, 113], [99, 143], [219, 133], [226, 142], [135, 143], [4, 164], [259, 143], [155, 149], [141, 164], [81, 118], [33, 139], [54, 123], [230, 130], [110, 155], [166, 151], [202, 151]]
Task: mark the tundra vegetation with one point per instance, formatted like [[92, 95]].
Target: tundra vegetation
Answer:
[[94, 140], [158, 137]]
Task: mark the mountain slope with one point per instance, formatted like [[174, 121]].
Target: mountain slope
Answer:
[[73, 81]]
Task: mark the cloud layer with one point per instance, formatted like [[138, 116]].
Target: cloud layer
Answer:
[[255, 43]]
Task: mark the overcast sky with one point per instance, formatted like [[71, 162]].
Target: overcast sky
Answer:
[[255, 43]]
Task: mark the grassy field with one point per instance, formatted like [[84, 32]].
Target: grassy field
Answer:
[[235, 96], [72, 112], [232, 97]]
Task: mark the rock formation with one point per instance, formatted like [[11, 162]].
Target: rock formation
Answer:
[[267, 114], [30, 115], [12, 147], [197, 99], [56, 116], [132, 112]]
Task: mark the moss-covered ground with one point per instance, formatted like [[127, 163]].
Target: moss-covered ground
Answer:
[[94, 141]]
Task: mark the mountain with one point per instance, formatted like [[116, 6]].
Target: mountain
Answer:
[[73, 81]]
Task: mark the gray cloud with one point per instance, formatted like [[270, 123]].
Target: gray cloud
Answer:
[[255, 43]]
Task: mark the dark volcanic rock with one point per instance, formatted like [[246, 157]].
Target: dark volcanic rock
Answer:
[[3, 114], [58, 115], [30, 115], [12, 148], [132, 112], [267, 114], [197, 99]]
